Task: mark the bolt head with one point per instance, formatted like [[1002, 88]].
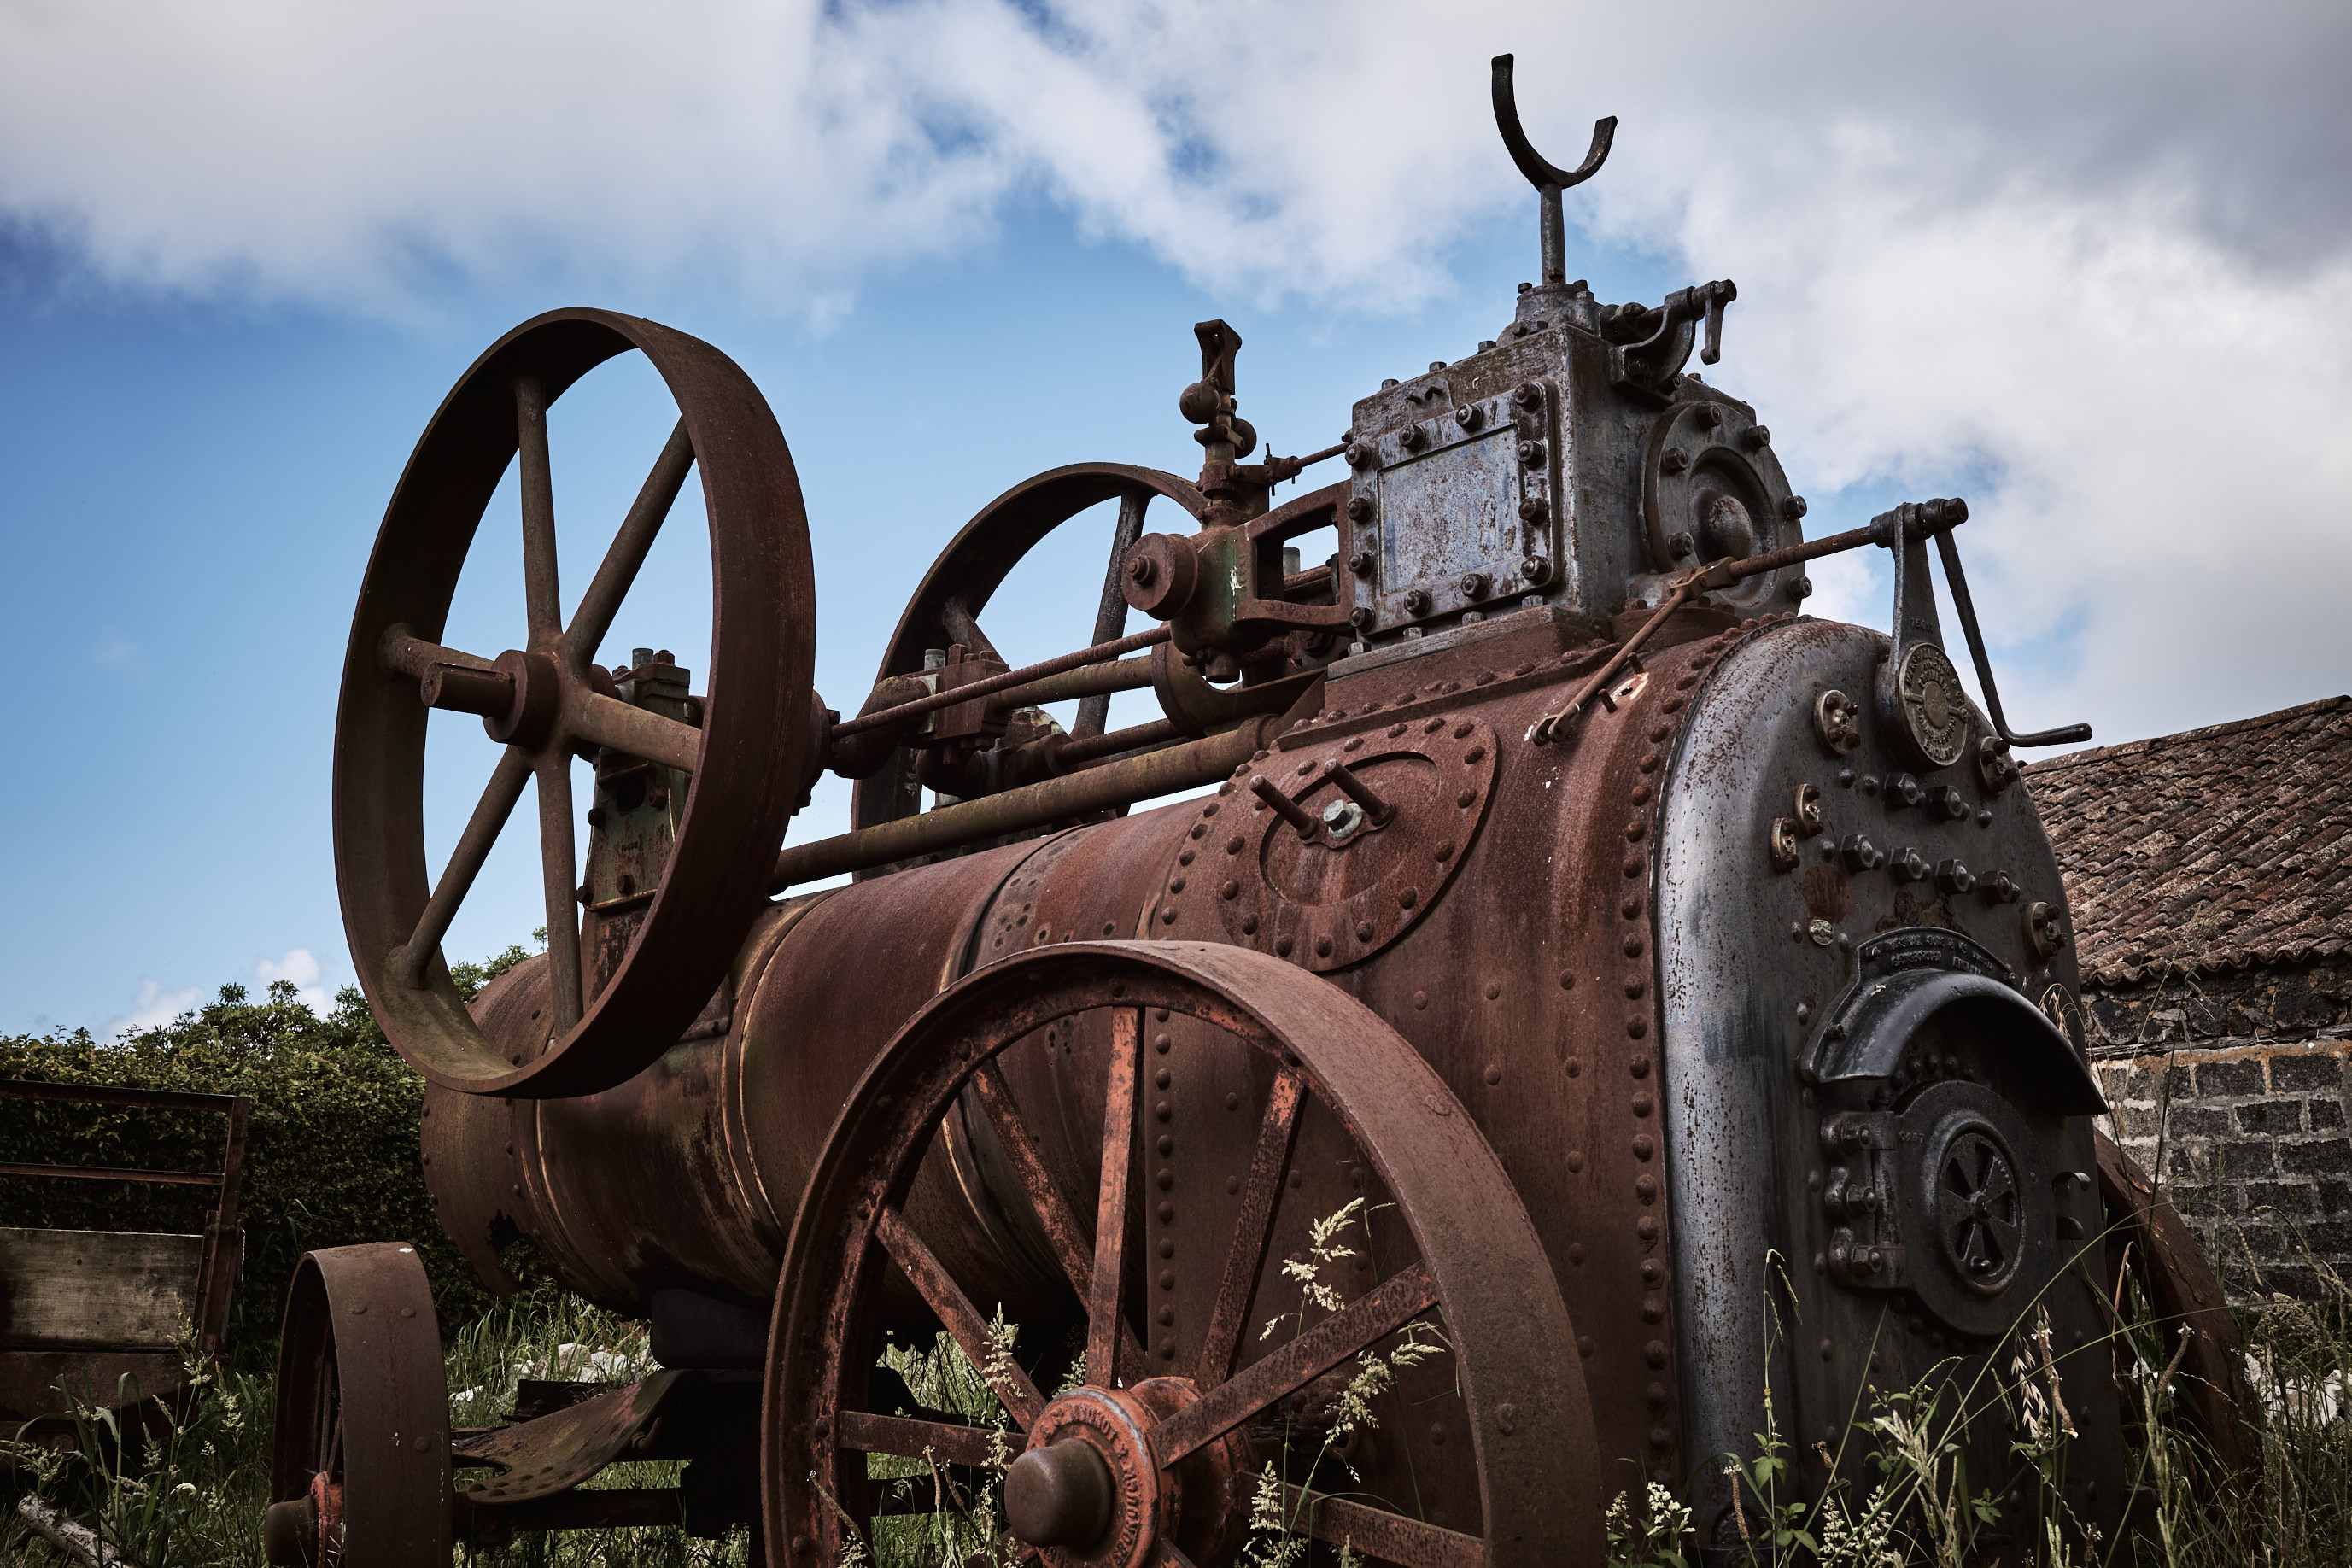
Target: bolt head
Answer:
[[1757, 438], [1361, 454], [1793, 508], [1361, 562], [1528, 394], [1358, 508]]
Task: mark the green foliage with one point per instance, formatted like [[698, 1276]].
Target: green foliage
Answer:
[[331, 1143]]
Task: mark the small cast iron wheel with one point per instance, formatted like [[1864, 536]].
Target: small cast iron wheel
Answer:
[[359, 1464], [1157, 1456], [547, 700], [947, 604], [2146, 1234]]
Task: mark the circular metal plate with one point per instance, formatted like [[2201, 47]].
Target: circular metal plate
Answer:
[[1935, 705], [1711, 488]]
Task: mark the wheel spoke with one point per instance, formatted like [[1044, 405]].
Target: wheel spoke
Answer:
[[1055, 1216], [957, 620], [594, 618], [559, 867], [1104, 1319], [542, 601], [1378, 1534], [1297, 1363], [949, 1444], [1110, 619], [1276, 1133], [490, 814], [959, 1316]]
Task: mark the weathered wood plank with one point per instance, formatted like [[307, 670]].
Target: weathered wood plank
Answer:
[[100, 1289]]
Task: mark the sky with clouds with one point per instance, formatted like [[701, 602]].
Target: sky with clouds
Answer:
[[2090, 266]]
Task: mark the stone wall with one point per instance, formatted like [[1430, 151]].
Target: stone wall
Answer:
[[2232, 1087]]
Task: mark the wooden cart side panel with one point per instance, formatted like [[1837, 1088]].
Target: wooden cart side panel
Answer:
[[101, 1290]]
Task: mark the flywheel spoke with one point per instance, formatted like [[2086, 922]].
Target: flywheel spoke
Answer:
[[1297, 1363], [482, 829], [594, 618], [1110, 618], [1055, 1216], [1277, 1133], [543, 599], [559, 865], [961, 1318], [1104, 1318]]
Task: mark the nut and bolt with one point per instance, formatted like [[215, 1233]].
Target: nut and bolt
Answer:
[[1534, 509], [1834, 720], [1474, 585], [1674, 460], [1860, 854], [1801, 588], [2045, 930], [1412, 437], [1531, 452], [1809, 807], [1361, 562], [1954, 878], [1793, 508], [1945, 803], [1708, 414], [1783, 845], [1470, 416], [2001, 888], [1362, 618], [1902, 790], [1534, 569], [1910, 866], [1360, 509], [1756, 437], [1681, 546], [1416, 601], [1996, 769], [1362, 455], [1528, 394]]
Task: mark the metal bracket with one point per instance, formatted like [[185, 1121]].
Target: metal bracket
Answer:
[[1547, 180]]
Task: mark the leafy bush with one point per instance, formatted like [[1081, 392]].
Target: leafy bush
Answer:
[[330, 1143]]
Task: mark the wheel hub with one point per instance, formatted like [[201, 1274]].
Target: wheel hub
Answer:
[[1089, 1489]]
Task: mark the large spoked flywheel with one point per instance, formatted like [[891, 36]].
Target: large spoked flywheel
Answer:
[[544, 700]]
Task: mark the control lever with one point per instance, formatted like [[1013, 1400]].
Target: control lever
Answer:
[[1658, 358]]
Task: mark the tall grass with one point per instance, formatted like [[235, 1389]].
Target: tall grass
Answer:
[[195, 1495]]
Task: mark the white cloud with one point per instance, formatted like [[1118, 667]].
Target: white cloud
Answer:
[[152, 1008], [300, 968]]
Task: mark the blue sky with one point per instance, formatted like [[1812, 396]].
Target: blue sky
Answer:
[[964, 245]]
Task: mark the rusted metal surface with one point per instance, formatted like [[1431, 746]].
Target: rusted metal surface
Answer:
[[1007, 683], [555, 1453], [1464, 1252], [748, 757], [359, 1464], [2187, 1302]]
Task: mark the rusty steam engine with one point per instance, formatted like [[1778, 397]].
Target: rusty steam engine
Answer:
[[1668, 994]]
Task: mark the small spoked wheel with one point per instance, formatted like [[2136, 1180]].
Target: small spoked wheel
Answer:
[[1375, 1352], [359, 1463], [744, 762]]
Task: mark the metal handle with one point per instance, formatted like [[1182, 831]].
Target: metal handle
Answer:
[[1547, 180], [2065, 734]]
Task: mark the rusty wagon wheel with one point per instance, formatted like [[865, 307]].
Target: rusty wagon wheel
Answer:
[[359, 1463], [547, 700], [947, 603], [1157, 1452]]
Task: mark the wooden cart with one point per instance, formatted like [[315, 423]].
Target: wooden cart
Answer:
[[88, 1307]]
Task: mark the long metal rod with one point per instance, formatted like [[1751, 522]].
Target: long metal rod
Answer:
[[2065, 734], [1087, 680], [114, 1173], [1110, 617], [1096, 789], [1101, 653]]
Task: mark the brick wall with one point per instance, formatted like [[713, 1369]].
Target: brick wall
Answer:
[[2233, 1088]]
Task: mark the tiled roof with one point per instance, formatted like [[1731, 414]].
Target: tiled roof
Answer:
[[2225, 846]]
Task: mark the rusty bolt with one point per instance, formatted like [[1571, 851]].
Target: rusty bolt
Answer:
[[1784, 844], [1469, 417], [1359, 507], [1996, 769], [1834, 716], [1534, 569], [1800, 587], [1953, 876], [1534, 509], [1674, 460], [1528, 394], [1709, 415], [1416, 601], [1859, 853], [1910, 866], [1362, 619], [1809, 808], [1361, 455], [1360, 561], [1531, 452], [1142, 571], [1412, 437], [2001, 888], [1902, 789], [2045, 930], [1793, 508], [1681, 546], [1474, 585], [1757, 438], [1944, 802]]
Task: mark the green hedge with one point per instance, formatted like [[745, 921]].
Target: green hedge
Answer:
[[330, 1148]]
